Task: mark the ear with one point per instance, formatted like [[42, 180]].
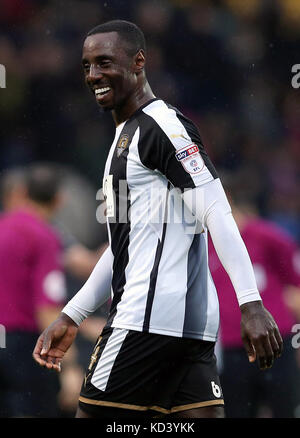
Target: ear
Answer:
[[139, 61]]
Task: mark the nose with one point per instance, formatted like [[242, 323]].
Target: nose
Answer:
[[94, 73]]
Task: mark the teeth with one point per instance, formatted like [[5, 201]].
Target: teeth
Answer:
[[101, 90]]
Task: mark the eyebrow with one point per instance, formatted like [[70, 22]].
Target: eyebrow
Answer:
[[98, 58]]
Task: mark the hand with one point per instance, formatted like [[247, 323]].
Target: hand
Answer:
[[53, 343], [260, 334]]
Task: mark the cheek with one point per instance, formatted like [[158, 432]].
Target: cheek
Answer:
[[130, 82], [127, 78], [123, 82]]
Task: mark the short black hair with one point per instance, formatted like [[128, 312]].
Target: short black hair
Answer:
[[43, 181], [129, 32], [10, 179]]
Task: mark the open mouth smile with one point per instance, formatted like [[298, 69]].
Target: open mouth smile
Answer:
[[100, 92]]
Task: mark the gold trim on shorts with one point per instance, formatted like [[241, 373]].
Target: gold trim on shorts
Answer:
[[153, 408], [197, 405]]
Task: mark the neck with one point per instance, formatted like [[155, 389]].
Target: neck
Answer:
[[42, 211], [141, 96]]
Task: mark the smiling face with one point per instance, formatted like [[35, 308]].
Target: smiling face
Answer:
[[110, 72]]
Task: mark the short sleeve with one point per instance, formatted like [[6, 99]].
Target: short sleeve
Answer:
[[171, 144]]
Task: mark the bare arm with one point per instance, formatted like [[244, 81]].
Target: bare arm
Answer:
[[56, 339]]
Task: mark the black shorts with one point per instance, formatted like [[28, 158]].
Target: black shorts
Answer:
[[150, 374]]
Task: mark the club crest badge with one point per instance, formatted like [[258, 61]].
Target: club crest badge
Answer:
[[122, 144], [189, 156]]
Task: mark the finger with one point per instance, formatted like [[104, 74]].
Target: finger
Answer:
[[249, 349], [50, 335], [269, 358], [50, 360], [53, 362], [46, 343], [58, 364], [274, 345], [37, 352], [260, 353], [265, 353], [279, 340], [40, 361], [49, 365]]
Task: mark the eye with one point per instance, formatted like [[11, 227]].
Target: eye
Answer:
[[86, 67], [105, 63]]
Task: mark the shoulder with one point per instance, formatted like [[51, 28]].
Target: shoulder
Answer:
[[166, 128], [164, 118]]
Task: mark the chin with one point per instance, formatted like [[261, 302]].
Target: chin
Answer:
[[107, 106]]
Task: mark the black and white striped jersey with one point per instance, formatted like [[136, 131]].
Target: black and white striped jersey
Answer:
[[161, 281]]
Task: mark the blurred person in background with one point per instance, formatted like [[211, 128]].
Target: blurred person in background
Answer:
[[84, 240], [32, 288], [276, 261], [77, 260]]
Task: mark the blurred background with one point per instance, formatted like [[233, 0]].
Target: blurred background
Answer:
[[226, 64]]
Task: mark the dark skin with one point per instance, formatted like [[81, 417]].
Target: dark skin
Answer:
[[106, 63], [121, 76]]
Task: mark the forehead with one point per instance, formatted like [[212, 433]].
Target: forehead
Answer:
[[102, 44]]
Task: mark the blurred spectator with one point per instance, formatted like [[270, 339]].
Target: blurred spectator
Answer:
[[84, 240], [32, 290], [76, 258], [275, 258]]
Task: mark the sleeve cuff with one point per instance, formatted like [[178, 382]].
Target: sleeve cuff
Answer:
[[74, 314], [247, 296]]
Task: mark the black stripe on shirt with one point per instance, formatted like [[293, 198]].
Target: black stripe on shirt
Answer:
[[154, 271], [193, 132], [157, 152], [120, 225]]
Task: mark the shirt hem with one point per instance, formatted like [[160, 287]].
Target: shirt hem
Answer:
[[167, 332]]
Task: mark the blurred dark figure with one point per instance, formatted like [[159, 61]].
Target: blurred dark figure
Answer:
[[84, 240], [32, 288], [76, 260], [276, 261]]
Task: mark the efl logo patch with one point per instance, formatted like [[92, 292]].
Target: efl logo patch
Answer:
[[190, 158]]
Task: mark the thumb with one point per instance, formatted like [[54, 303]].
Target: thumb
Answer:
[[50, 335], [250, 350], [46, 343]]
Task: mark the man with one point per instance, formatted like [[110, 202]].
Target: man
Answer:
[[32, 289], [156, 353], [275, 259]]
